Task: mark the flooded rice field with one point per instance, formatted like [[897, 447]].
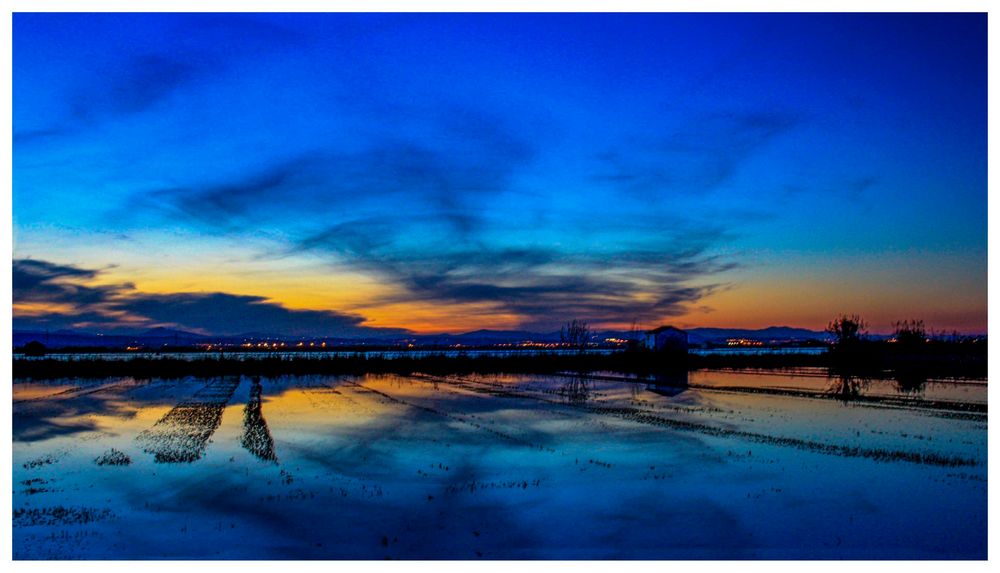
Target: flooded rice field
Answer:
[[705, 465]]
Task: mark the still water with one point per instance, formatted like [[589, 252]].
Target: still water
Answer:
[[714, 465]]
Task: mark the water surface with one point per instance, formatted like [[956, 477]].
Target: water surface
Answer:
[[714, 465]]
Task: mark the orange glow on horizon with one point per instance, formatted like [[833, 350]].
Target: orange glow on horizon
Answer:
[[882, 291]]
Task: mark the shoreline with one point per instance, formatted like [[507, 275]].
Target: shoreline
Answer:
[[913, 368]]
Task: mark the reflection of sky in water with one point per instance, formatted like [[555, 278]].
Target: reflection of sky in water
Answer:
[[492, 467], [817, 379]]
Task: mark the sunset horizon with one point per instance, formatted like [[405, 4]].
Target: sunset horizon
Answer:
[[31, 317]]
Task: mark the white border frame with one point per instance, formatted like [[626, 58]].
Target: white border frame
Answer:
[[6, 237]]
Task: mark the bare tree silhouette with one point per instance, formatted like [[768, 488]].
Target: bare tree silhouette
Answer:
[[577, 389], [847, 330], [576, 334], [847, 386]]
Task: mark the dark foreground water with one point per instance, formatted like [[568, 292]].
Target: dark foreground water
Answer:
[[732, 466]]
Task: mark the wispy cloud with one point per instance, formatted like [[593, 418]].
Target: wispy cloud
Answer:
[[41, 281], [480, 159], [466, 158], [543, 285], [697, 157], [418, 217], [138, 73]]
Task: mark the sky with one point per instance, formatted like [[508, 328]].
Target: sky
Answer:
[[375, 174]]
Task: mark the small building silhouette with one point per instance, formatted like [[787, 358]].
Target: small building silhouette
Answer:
[[667, 339]]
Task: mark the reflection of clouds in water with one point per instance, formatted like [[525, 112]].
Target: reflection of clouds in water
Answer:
[[394, 462], [69, 411], [31, 428]]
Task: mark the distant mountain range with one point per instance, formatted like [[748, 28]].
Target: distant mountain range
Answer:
[[771, 333], [72, 338], [159, 337], [695, 335]]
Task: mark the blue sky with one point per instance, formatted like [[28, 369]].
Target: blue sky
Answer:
[[452, 172]]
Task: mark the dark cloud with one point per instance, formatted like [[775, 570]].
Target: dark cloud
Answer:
[[139, 75], [222, 313], [42, 281], [471, 157], [132, 85], [851, 188], [28, 136], [30, 272], [120, 307], [148, 79], [544, 285], [858, 187], [417, 217], [695, 158], [224, 205]]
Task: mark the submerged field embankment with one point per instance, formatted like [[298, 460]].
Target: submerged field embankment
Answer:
[[951, 364]]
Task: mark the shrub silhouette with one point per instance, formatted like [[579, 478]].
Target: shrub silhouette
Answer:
[[910, 333], [847, 330], [34, 348]]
